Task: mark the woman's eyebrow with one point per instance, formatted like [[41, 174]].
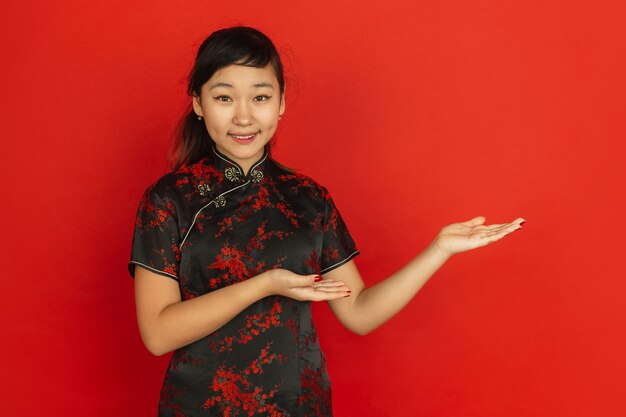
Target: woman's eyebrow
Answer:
[[220, 84], [263, 84], [257, 85]]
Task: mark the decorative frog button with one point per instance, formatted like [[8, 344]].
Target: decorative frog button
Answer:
[[256, 176], [204, 189], [219, 201], [232, 174]]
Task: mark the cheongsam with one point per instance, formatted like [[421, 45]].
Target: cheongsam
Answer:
[[208, 226]]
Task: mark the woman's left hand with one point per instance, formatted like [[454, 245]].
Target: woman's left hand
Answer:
[[472, 234]]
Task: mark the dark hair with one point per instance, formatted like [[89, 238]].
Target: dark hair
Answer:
[[238, 44]]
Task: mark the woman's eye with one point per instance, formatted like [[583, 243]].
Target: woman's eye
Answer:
[[222, 98], [262, 98]]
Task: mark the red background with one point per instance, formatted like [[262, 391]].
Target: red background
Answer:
[[414, 114]]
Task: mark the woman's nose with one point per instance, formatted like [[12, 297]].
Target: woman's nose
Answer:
[[243, 116]]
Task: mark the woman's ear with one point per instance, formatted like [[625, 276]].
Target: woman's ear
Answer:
[[281, 110], [197, 108]]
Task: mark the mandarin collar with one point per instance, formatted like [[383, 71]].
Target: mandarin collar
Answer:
[[234, 173]]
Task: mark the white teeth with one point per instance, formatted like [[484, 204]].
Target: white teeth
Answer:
[[243, 137]]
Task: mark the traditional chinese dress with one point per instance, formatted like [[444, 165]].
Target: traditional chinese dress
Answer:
[[208, 226]]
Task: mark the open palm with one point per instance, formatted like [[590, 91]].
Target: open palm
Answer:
[[321, 291], [472, 234]]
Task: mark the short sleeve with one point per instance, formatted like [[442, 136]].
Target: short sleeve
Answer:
[[156, 236], [338, 246]]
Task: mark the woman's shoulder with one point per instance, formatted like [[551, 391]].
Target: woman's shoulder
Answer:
[[182, 182], [299, 181]]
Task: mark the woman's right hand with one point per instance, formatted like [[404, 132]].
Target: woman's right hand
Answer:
[[304, 287]]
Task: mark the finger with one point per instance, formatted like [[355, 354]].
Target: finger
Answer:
[[492, 237], [504, 226], [484, 229], [314, 278], [508, 228], [323, 286], [515, 222], [496, 226], [319, 278], [316, 286], [333, 289], [497, 229], [330, 296], [328, 284], [311, 294], [477, 228], [475, 221], [326, 280]]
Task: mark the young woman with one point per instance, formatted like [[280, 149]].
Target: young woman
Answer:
[[231, 247]]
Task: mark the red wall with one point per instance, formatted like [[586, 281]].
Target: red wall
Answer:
[[414, 114]]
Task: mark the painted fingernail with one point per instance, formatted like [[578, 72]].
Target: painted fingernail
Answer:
[[346, 296], [318, 278]]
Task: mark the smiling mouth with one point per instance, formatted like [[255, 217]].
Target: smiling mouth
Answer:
[[244, 136]]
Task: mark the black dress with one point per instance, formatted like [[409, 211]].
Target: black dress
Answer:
[[208, 226]]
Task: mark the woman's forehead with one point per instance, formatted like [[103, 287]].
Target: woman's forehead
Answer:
[[241, 76]]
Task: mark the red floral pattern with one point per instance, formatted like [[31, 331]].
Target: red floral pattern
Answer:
[[266, 361]]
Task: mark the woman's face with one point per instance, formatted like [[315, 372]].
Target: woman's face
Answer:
[[240, 107]]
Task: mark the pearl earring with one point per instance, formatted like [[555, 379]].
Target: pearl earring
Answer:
[[199, 117]]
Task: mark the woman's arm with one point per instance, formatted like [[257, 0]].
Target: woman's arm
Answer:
[[167, 323], [370, 307]]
